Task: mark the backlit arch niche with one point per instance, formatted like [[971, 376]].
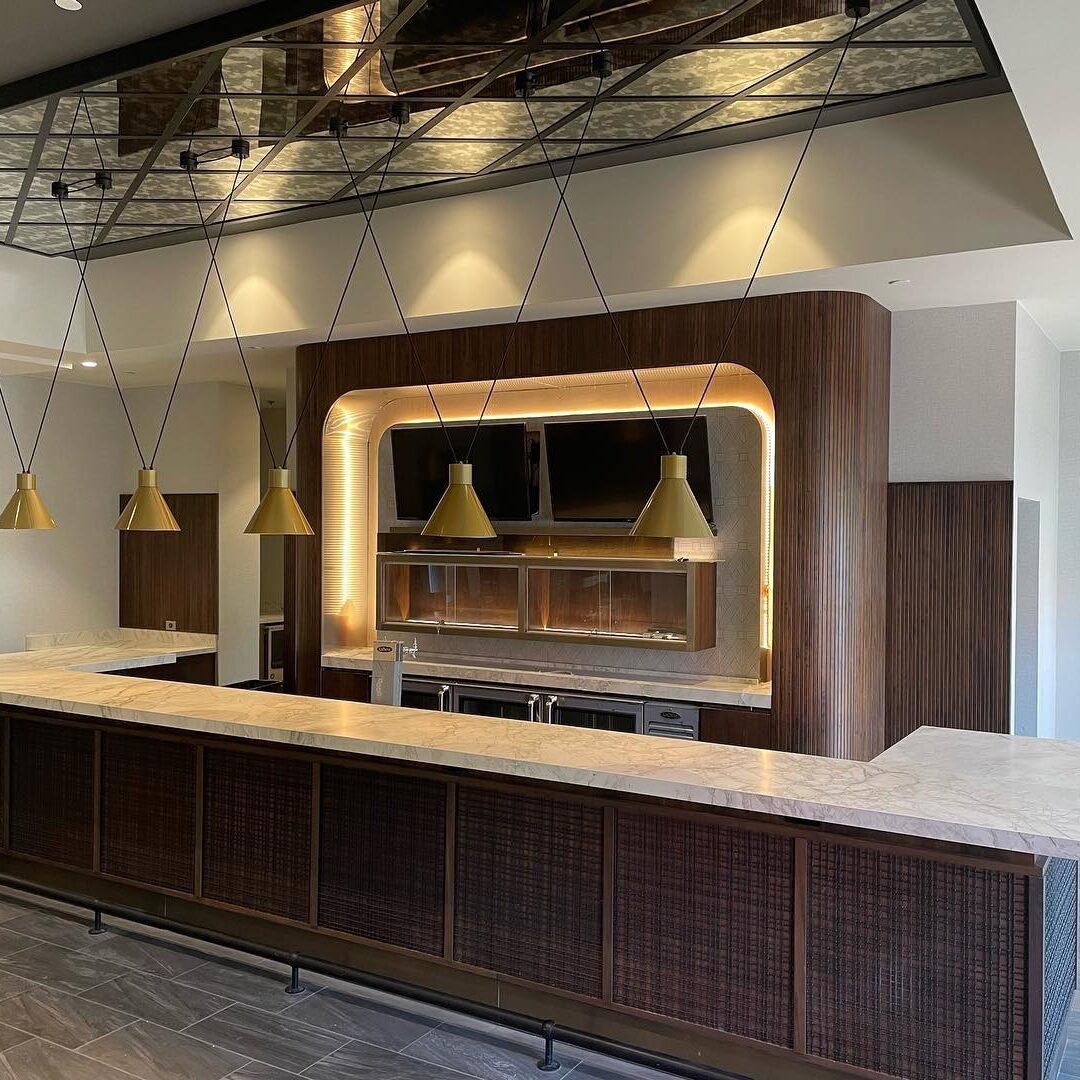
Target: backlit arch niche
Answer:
[[356, 423]]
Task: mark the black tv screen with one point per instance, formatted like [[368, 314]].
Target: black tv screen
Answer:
[[605, 470], [504, 475]]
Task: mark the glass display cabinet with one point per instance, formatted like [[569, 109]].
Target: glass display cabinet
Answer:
[[650, 603]]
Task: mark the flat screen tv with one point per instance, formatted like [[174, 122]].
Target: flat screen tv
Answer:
[[504, 470], [605, 470]]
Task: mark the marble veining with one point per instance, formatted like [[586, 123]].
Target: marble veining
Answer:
[[699, 689], [993, 791], [106, 651]]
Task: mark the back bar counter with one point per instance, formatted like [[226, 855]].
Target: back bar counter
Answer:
[[767, 913]]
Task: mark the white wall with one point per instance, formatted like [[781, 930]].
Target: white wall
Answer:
[[953, 394], [1035, 477], [1068, 595], [65, 579], [211, 444]]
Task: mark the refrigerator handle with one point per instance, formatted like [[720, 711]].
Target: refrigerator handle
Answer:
[[444, 695], [534, 700], [549, 709]]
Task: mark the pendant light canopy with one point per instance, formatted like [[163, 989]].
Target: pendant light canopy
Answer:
[[672, 510], [147, 510], [460, 512], [25, 510], [279, 513]]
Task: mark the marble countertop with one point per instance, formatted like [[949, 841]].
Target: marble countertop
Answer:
[[699, 689], [104, 651], [988, 790]]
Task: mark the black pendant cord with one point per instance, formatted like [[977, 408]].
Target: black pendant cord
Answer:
[[85, 286], [768, 239], [216, 268], [199, 304], [560, 203], [592, 272], [26, 464], [368, 231]]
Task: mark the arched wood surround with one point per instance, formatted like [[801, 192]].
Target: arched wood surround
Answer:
[[824, 358]]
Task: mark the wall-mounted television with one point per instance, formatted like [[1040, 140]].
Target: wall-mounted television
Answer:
[[605, 470], [505, 469]]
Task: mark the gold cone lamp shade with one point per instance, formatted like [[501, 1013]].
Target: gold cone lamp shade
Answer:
[[672, 510], [147, 510], [25, 510], [279, 513], [460, 512]]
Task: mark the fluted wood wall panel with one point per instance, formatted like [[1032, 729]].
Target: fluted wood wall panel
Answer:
[[949, 606], [824, 358]]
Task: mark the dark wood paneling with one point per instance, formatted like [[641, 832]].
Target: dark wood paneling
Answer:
[[148, 810], [190, 669], [383, 857], [738, 727], [703, 920], [528, 888], [345, 685], [824, 358], [51, 802], [950, 606], [915, 968], [257, 832], [173, 575]]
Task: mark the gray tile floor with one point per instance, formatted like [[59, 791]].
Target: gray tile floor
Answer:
[[137, 1003], [1070, 1058]]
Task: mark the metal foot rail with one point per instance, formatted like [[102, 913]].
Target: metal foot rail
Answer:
[[544, 1029]]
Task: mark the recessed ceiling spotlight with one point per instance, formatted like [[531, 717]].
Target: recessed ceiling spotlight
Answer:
[[88, 363], [900, 281], [69, 5]]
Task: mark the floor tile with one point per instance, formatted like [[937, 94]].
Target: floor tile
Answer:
[[359, 1061], [361, 1018], [59, 1017], [39, 1060], [171, 1004], [10, 908], [10, 1037], [156, 1053], [262, 987], [10, 985], [60, 968], [54, 927], [10, 942], [258, 1071], [488, 1052], [613, 1069], [139, 952], [267, 1037]]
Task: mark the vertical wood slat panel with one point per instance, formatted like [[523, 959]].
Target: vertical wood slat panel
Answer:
[[528, 888], [51, 805], [949, 607], [824, 358]]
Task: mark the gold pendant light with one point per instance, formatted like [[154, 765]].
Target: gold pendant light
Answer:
[[25, 510], [460, 512], [672, 510], [147, 510], [279, 513]]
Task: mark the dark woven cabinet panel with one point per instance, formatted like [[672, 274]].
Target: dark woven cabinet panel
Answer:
[[52, 792], [915, 968], [1059, 952], [257, 832], [148, 810], [529, 888], [382, 857], [703, 924]]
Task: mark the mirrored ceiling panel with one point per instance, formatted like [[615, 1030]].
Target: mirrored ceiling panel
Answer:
[[410, 99]]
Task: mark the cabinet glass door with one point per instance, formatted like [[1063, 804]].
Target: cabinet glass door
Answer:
[[504, 704], [594, 714]]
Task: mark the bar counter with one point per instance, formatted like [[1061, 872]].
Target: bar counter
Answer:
[[772, 914]]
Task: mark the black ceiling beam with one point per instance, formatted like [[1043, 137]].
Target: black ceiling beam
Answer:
[[980, 36], [32, 165], [711, 27], [232, 28]]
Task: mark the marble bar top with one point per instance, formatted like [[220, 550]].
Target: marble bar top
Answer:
[[698, 689], [970, 788], [108, 650]]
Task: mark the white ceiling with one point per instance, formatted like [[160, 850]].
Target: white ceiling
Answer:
[[42, 36]]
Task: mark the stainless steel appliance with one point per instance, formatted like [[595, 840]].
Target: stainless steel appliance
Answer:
[[596, 713], [273, 652], [494, 701], [426, 694], [672, 721]]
